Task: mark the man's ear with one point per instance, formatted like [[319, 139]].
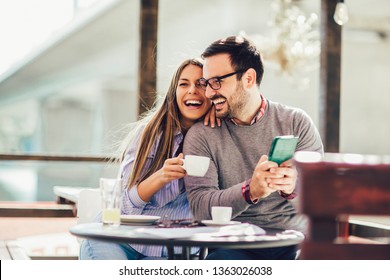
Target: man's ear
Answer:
[[249, 78]]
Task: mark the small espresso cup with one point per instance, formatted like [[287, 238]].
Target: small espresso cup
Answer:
[[196, 165], [221, 214]]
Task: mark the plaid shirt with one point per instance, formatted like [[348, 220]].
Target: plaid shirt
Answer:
[[259, 113]]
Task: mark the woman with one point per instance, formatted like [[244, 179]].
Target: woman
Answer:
[[151, 166]]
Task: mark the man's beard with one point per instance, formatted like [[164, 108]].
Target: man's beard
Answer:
[[236, 102]]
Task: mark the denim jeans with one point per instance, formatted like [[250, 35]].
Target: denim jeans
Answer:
[[279, 253], [99, 250]]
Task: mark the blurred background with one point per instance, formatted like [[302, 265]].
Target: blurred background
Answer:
[[69, 84]]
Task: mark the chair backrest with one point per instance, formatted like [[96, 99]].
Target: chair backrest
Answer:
[[334, 187], [88, 205]]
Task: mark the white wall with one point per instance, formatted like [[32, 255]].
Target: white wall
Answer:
[[365, 95]]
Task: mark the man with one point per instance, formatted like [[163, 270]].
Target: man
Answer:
[[240, 175]]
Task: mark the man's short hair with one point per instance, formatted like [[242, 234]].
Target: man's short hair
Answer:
[[242, 52]]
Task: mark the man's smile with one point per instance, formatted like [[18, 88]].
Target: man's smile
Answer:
[[218, 102]]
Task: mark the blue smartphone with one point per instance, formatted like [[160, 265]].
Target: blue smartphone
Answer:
[[282, 148]]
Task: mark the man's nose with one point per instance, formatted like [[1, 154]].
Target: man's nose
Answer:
[[209, 92]]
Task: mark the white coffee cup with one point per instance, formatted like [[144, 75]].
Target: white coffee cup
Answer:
[[196, 165], [221, 214]]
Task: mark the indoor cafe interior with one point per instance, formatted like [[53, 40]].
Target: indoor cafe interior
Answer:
[[75, 73]]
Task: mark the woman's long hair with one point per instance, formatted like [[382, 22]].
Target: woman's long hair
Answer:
[[162, 121]]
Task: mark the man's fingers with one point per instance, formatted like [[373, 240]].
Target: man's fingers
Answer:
[[285, 172], [263, 158], [264, 164], [287, 163], [280, 181]]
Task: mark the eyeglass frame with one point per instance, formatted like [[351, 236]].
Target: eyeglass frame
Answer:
[[198, 84], [203, 82]]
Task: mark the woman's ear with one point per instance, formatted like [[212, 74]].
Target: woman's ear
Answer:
[[249, 78]]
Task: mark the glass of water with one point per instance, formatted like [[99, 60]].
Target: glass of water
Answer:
[[111, 193]]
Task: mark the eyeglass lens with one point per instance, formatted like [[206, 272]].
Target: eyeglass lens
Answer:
[[215, 83]]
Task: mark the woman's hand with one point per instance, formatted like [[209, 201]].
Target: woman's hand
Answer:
[[211, 117], [172, 169]]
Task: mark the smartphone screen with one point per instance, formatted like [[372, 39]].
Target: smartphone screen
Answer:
[[282, 148]]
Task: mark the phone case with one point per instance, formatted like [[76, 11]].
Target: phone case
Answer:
[[282, 148]]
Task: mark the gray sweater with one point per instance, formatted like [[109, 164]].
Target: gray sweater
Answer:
[[234, 152]]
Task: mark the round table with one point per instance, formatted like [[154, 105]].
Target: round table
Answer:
[[143, 235]]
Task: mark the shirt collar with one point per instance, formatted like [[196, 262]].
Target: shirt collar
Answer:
[[258, 115]]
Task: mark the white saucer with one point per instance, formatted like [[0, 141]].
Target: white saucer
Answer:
[[136, 224], [211, 223], [138, 219]]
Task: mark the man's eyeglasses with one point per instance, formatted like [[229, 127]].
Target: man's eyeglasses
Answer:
[[215, 83], [198, 84]]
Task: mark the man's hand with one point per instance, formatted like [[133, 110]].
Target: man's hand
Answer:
[[259, 186], [288, 177], [268, 177]]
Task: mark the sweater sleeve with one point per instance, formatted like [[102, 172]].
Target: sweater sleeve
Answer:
[[130, 196], [204, 192], [309, 140], [309, 137]]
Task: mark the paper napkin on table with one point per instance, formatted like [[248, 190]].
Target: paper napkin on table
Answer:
[[243, 229], [172, 233]]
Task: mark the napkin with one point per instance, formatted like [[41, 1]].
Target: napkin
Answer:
[[172, 233], [243, 229]]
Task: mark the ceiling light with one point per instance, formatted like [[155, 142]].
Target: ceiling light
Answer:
[[341, 13]]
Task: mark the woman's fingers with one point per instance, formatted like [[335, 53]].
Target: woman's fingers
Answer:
[[207, 118], [211, 118]]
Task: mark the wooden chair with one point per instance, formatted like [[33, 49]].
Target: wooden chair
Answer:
[[335, 187]]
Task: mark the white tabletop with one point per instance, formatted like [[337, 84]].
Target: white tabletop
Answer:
[[68, 192]]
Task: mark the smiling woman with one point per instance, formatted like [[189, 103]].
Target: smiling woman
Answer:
[[170, 118], [190, 96]]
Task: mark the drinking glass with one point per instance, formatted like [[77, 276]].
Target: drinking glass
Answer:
[[111, 192]]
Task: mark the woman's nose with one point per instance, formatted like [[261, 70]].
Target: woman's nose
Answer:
[[193, 89]]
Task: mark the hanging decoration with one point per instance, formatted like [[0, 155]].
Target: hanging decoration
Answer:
[[293, 47]]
